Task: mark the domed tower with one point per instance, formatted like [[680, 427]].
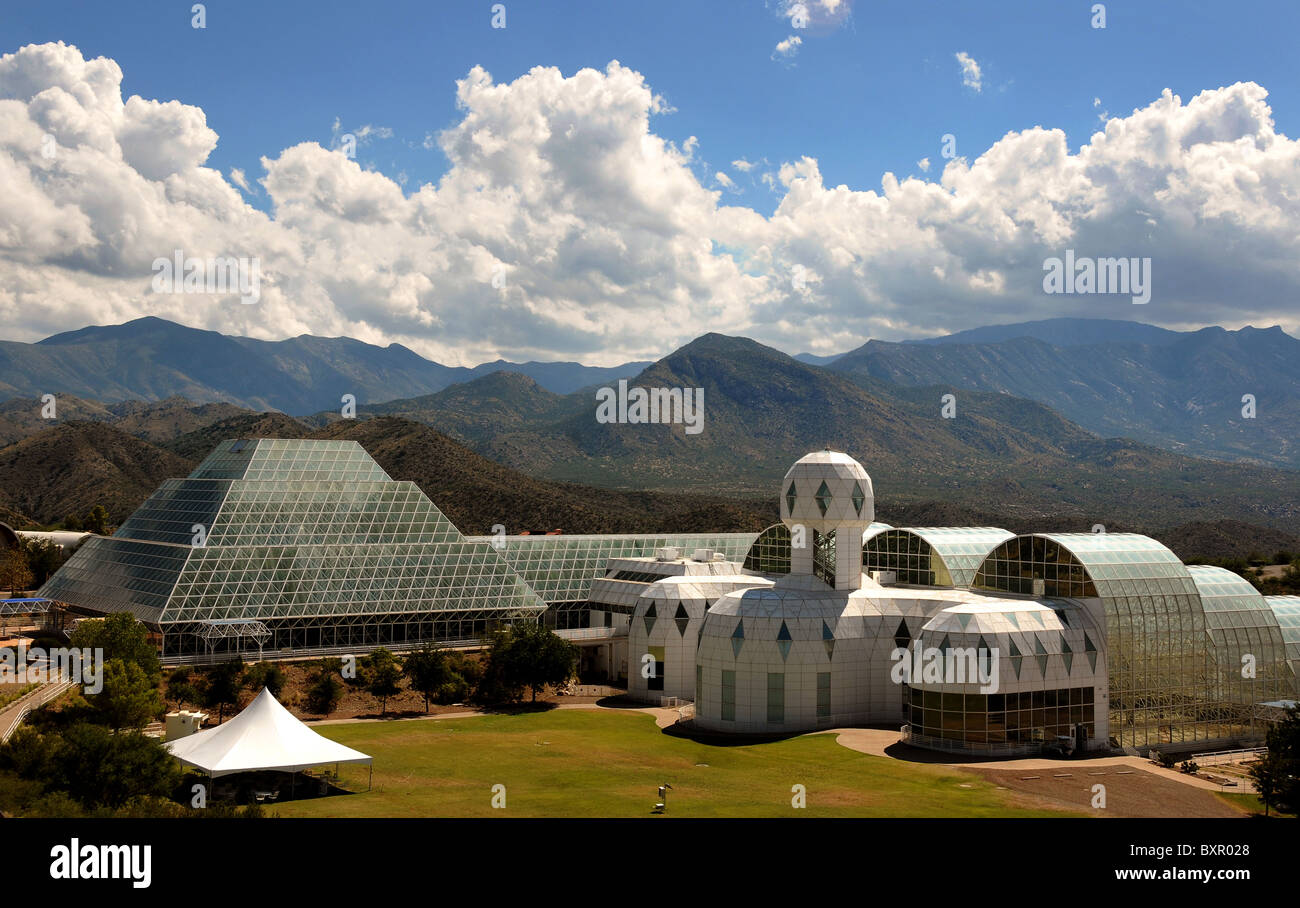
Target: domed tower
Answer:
[[827, 502]]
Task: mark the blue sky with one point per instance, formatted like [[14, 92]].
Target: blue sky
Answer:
[[358, 248], [874, 95]]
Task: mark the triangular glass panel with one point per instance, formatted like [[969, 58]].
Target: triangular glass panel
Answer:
[[682, 619], [1011, 616], [823, 497], [963, 618], [828, 640], [738, 639], [651, 614], [783, 641], [1040, 655], [790, 498], [859, 499], [902, 636]]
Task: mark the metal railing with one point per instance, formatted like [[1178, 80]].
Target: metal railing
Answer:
[[948, 745], [30, 701], [294, 654], [1219, 757]]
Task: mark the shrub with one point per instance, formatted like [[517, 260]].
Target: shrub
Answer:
[[324, 694]]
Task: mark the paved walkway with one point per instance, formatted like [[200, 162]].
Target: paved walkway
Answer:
[[878, 741], [14, 713]]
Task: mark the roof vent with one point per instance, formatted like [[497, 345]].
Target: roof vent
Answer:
[[703, 555], [668, 553]]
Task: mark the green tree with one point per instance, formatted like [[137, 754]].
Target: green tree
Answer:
[[42, 557], [15, 572], [128, 699], [383, 677], [428, 671], [72, 522], [1277, 773], [97, 520], [494, 685], [536, 657], [223, 687], [324, 694], [120, 636], [99, 767], [265, 674]]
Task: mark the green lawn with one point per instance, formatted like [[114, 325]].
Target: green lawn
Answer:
[[1249, 802], [588, 763]]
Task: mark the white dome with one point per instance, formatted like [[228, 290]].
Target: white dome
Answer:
[[826, 490]]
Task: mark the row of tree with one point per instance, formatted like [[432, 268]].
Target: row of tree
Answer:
[[523, 658]]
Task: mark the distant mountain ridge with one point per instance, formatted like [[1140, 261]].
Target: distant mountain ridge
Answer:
[[1063, 332], [763, 409], [154, 359], [1183, 391]]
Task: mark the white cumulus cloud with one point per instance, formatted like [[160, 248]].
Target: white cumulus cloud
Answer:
[[560, 183]]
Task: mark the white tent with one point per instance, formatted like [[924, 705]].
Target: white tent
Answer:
[[264, 736]]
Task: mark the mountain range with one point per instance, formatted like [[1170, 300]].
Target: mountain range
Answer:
[[1185, 391], [1004, 452], [153, 359]]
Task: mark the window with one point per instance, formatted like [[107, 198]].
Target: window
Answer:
[[728, 696], [776, 697], [656, 681], [823, 695]]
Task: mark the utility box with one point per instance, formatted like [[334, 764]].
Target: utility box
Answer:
[[183, 723]]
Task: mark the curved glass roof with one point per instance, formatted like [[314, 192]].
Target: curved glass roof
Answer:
[[1287, 611], [770, 552], [932, 556], [1164, 687], [1095, 564], [1241, 625], [1229, 599], [562, 568]]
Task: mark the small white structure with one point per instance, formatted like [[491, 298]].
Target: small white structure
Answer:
[[264, 736], [184, 723]]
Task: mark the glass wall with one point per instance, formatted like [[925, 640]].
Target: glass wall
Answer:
[[931, 556], [1158, 649], [1030, 717], [1287, 611], [770, 553], [1249, 653]]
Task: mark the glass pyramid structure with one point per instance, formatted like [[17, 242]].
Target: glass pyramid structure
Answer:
[[311, 539]]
